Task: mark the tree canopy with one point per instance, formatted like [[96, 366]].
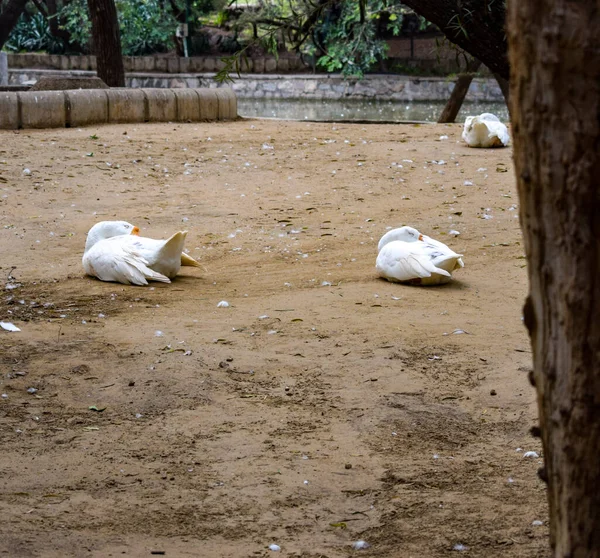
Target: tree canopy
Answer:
[[348, 36], [337, 35]]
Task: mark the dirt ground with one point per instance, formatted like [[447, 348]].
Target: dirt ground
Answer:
[[323, 407]]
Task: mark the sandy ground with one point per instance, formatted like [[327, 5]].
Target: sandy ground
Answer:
[[322, 407]]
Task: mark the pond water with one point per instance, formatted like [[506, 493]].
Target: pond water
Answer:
[[354, 109]]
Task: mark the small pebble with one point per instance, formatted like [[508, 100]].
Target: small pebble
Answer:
[[274, 547], [493, 392], [360, 545]]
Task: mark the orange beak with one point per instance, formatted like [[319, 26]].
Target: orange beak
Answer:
[[135, 231], [420, 236]]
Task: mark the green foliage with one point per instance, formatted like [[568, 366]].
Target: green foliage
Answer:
[[349, 40], [145, 26], [342, 35], [31, 34], [74, 18]]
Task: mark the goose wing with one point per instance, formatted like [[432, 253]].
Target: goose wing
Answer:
[[117, 260], [398, 262]]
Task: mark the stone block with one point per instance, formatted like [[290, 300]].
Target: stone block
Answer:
[[9, 111], [75, 63], [209, 64], [246, 65], [195, 64], [160, 64], [191, 82], [127, 63], [30, 60], [270, 65], [188, 105], [82, 62], [14, 60], [137, 64], [149, 63], [161, 105], [173, 65], [184, 65], [259, 65], [3, 68], [296, 64], [209, 104], [126, 105], [42, 109], [86, 106], [283, 65], [227, 104], [93, 64], [55, 61], [60, 83]]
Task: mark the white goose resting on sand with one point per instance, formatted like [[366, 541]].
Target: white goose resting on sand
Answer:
[[485, 130], [407, 256], [114, 251]]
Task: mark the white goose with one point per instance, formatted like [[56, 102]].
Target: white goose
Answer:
[[485, 130], [114, 251], [406, 255]]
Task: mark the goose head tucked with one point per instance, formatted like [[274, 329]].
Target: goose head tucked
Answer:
[[108, 229], [405, 234]]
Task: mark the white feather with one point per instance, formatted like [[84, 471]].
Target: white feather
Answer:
[[114, 252], [485, 130], [405, 255]]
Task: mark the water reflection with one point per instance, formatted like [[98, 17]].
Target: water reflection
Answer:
[[349, 110]]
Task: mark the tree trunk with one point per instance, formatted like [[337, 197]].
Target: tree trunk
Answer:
[[555, 108], [55, 24], [459, 93], [504, 87], [473, 25], [107, 42], [9, 17]]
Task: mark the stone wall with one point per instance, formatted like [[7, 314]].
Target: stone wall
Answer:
[[83, 107], [159, 64], [424, 53], [385, 87]]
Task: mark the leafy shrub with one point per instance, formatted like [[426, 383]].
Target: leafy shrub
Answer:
[[31, 34], [145, 27]]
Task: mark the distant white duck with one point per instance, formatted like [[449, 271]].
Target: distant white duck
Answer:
[[114, 251], [406, 255], [485, 130]]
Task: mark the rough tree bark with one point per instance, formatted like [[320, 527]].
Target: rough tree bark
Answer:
[[457, 97], [55, 24], [477, 26], [9, 17], [107, 42], [555, 109]]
